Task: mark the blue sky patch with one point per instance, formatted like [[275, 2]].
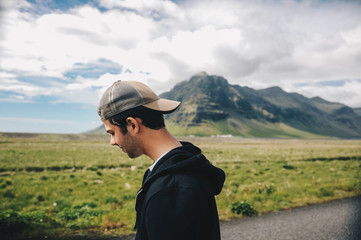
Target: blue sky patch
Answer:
[[94, 69], [62, 5], [40, 81], [42, 116], [332, 83]]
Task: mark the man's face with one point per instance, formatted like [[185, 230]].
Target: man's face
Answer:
[[126, 142]]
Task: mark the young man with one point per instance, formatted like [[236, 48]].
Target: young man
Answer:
[[176, 200]]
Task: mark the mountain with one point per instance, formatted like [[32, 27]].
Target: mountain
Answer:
[[97, 131], [212, 106], [357, 111]]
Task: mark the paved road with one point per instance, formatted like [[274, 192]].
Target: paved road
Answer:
[[337, 220]]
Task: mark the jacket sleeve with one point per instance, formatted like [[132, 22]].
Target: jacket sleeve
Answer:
[[174, 213]]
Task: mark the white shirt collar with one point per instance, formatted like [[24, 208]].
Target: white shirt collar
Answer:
[[155, 162]]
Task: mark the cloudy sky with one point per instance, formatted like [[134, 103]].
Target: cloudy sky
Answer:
[[58, 56]]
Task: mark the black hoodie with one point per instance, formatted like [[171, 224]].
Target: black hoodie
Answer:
[[176, 200]]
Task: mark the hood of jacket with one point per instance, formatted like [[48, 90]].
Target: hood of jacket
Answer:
[[188, 159]]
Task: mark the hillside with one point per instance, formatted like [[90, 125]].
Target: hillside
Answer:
[[212, 106], [97, 131], [357, 111]]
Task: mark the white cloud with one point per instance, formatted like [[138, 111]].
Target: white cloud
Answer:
[[348, 92], [252, 43], [10, 84]]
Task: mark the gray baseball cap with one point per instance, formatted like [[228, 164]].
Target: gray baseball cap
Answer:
[[124, 95]]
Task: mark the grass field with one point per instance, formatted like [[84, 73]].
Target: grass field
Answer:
[[76, 185]]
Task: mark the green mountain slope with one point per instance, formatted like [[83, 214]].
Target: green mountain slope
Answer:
[[97, 131], [211, 106]]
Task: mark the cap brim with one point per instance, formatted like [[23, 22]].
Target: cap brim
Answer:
[[163, 105]]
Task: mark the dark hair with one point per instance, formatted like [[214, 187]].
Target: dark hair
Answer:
[[150, 118]]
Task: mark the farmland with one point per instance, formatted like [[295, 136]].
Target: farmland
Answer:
[[76, 185]]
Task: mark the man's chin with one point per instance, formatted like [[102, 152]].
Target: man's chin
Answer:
[[132, 156]]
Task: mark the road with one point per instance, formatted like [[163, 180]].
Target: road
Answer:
[[336, 220]]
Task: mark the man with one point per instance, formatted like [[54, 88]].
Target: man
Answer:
[[176, 200]]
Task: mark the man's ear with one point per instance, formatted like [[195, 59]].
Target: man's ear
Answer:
[[133, 125]]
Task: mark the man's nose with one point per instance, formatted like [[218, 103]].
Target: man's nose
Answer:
[[112, 141]]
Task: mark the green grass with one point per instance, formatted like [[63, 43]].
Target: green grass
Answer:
[[70, 185]]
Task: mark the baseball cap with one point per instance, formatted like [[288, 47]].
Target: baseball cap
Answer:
[[124, 95]]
